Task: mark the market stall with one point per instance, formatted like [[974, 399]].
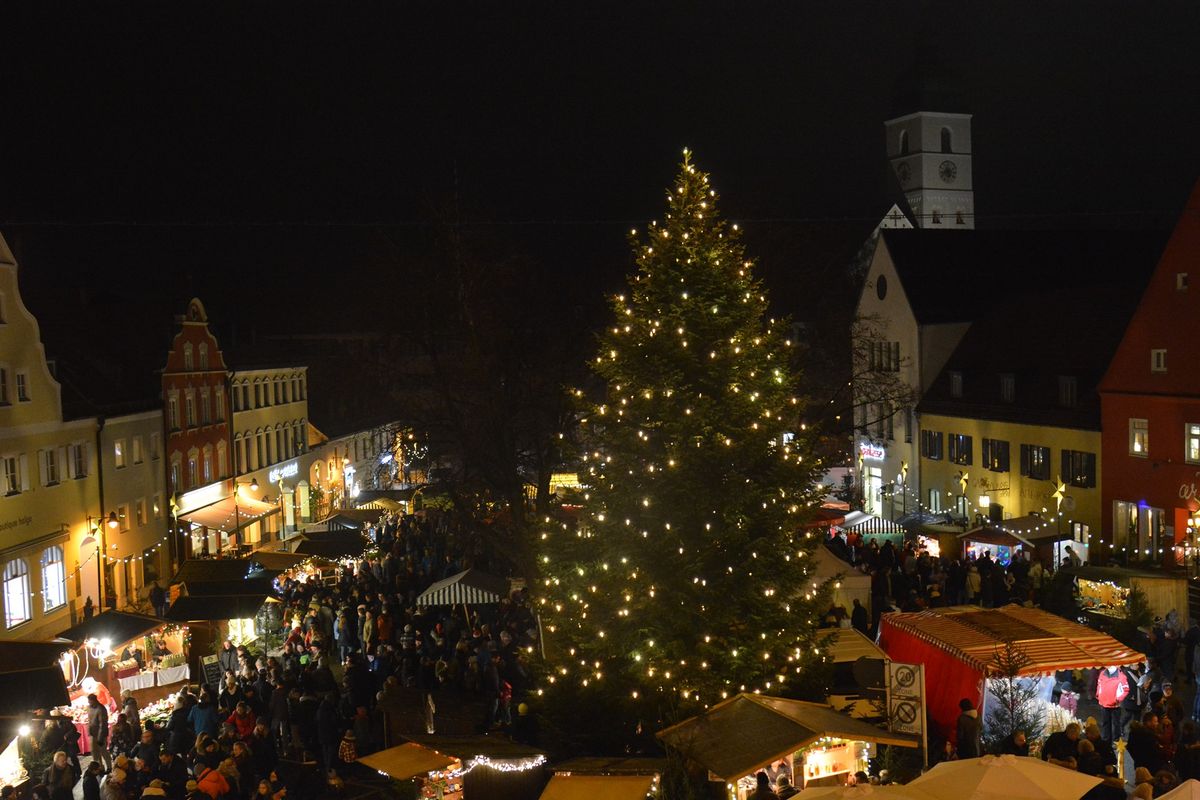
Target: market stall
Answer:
[[871, 527], [332, 545], [737, 737], [1104, 592], [959, 648], [464, 767], [128, 651], [1032, 534]]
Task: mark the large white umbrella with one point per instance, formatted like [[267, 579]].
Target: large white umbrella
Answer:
[[1003, 778], [862, 792], [1188, 790]]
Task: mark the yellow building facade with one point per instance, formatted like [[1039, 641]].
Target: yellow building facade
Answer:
[[1013, 466]]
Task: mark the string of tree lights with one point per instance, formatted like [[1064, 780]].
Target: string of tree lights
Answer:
[[687, 576]]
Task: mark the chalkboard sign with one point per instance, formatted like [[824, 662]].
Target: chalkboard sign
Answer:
[[212, 671]]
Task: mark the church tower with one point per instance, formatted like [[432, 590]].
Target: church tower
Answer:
[[930, 154], [929, 139]]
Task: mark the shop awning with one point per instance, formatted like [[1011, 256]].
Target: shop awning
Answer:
[[116, 626], [598, 787], [407, 761], [748, 731], [229, 515], [472, 586]]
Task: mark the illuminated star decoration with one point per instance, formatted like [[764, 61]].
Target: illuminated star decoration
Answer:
[[1060, 492]]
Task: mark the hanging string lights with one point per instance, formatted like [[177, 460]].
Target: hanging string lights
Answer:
[[694, 491]]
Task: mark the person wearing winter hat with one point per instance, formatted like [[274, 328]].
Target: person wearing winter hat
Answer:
[[114, 787], [156, 789]]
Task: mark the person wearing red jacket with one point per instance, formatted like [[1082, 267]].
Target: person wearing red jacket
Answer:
[[1112, 687], [242, 719]]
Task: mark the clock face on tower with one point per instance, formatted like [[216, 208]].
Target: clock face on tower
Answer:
[[948, 171], [903, 172]]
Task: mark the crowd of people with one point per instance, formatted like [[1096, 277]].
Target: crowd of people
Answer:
[[357, 654]]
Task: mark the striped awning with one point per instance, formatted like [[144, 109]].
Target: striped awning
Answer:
[[472, 586], [869, 524], [974, 636]]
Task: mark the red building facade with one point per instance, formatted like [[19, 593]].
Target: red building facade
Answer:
[[197, 406], [1150, 409]]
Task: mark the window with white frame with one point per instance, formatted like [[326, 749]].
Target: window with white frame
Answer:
[[1191, 442], [23, 387], [12, 475], [16, 593], [77, 466], [4, 386], [123, 517], [173, 411], [1139, 437], [139, 512], [189, 408], [219, 402], [258, 395], [176, 472], [119, 453], [222, 460], [155, 446], [54, 579], [205, 407], [1158, 360], [193, 475], [207, 461], [157, 506], [50, 466], [187, 357], [139, 454], [203, 355]]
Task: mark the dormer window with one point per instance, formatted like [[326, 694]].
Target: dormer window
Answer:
[[1068, 391], [956, 384], [1181, 281], [947, 141], [1158, 360], [1008, 387]]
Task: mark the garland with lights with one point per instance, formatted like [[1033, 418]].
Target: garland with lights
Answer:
[[687, 575]]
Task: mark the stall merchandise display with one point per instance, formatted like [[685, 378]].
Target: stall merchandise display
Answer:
[[1103, 595]]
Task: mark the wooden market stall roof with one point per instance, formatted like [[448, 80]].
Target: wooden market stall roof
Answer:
[[464, 748], [215, 607], [30, 676], [406, 761], [117, 626], [748, 731], [278, 560], [332, 544], [598, 787], [847, 644], [224, 570], [973, 635]]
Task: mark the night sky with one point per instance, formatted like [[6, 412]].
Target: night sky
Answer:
[[254, 150]]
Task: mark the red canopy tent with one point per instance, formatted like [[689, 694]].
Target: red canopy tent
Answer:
[[958, 647]]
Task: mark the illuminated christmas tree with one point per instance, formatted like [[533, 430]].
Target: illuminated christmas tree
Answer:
[[688, 576]]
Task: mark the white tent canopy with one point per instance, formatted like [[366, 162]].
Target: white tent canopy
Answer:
[[854, 584]]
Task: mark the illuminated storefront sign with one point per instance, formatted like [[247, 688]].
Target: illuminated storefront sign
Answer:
[[288, 470], [871, 452]]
